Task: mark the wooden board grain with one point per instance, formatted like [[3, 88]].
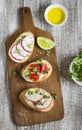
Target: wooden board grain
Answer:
[[21, 114]]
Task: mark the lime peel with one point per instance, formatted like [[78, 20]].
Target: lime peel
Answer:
[[45, 43]]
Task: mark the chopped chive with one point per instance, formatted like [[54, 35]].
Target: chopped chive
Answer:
[[14, 73]]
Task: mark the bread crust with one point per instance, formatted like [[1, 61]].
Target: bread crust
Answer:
[[26, 58], [45, 77], [27, 103]]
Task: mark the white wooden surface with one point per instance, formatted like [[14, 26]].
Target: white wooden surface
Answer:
[[68, 44]]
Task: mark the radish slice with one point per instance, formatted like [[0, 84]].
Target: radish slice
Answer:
[[16, 57], [35, 97], [23, 53], [22, 48], [38, 98], [44, 103], [28, 43]]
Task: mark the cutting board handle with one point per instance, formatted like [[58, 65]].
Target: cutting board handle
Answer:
[[26, 20]]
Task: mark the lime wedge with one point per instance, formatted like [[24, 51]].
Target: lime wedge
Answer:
[[45, 43]]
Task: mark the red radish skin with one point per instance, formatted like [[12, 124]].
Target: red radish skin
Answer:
[[45, 107], [34, 101], [24, 48], [41, 99], [12, 54]]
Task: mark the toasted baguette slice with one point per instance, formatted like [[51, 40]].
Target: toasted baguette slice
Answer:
[[37, 98], [22, 48], [39, 75]]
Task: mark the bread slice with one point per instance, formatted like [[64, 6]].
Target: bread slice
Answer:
[[37, 98], [42, 76], [22, 48]]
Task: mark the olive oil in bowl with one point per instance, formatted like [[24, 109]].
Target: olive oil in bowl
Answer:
[[56, 15]]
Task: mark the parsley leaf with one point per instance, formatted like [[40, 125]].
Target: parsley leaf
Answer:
[[29, 46], [23, 36], [76, 68], [14, 72], [55, 96], [18, 41], [40, 62], [27, 73]]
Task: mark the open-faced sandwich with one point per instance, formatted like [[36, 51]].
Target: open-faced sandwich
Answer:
[[37, 98], [22, 48], [37, 71]]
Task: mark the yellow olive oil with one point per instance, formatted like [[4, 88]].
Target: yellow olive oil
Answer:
[[56, 15]]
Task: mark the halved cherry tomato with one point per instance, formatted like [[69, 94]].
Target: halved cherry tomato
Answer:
[[43, 68], [34, 77], [31, 66]]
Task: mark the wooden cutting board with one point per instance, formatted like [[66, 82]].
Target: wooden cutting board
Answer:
[[21, 114]]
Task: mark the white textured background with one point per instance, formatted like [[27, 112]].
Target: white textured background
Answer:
[[68, 44]]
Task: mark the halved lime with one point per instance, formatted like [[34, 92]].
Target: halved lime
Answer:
[[45, 43]]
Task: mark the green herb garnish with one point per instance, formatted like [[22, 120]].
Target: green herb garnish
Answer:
[[18, 41], [45, 72], [35, 104], [47, 53], [23, 36], [55, 96], [76, 68], [38, 103], [40, 93], [29, 46], [30, 92], [17, 51], [27, 73], [46, 96], [14, 73], [34, 69], [36, 91], [40, 62]]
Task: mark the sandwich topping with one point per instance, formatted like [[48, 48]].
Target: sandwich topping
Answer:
[[22, 47], [36, 71], [39, 98]]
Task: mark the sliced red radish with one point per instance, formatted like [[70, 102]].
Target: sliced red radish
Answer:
[[27, 44], [45, 103], [23, 53], [14, 54], [35, 97]]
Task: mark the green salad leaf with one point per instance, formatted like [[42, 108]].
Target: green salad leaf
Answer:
[[76, 68]]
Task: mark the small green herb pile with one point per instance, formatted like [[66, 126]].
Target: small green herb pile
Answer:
[[76, 68]]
